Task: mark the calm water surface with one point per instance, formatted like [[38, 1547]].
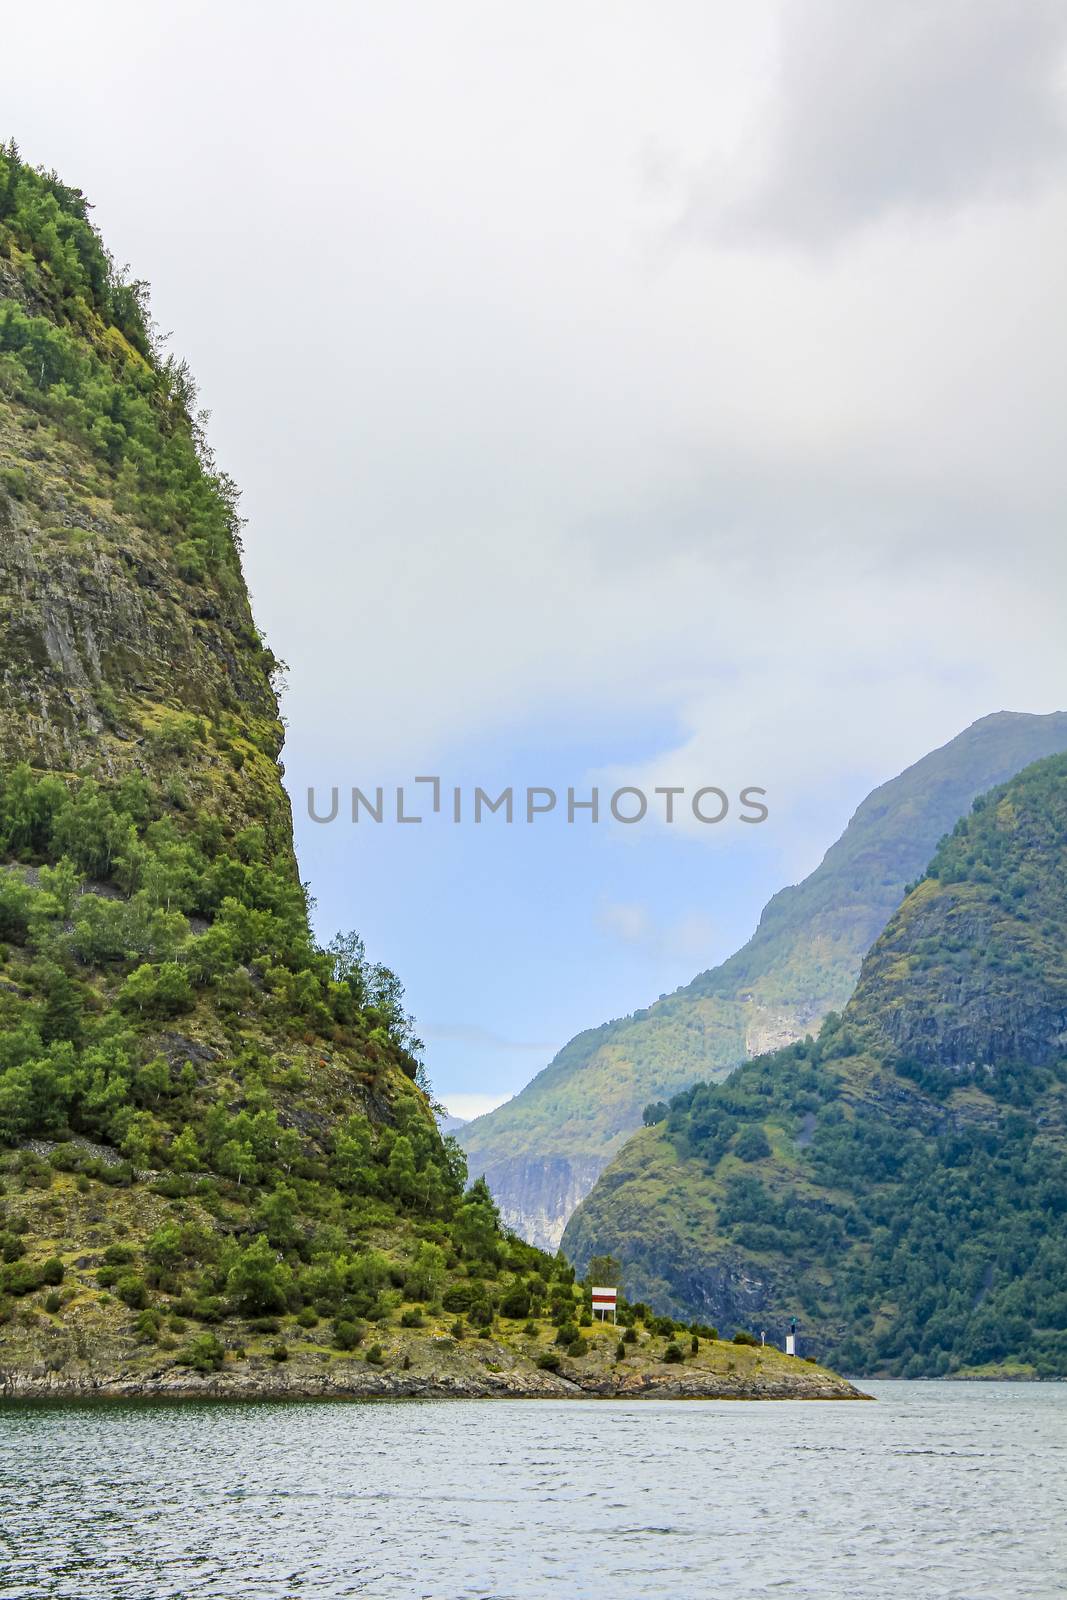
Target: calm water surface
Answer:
[[938, 1490]]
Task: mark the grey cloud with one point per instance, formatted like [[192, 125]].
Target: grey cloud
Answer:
[[905, 104]]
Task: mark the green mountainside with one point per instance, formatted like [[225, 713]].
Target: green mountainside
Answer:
[[216, 1136], [219, 1165], [543, 1151], [899, 1184]]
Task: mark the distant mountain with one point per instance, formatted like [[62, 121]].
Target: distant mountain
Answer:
[[543, 1151], [448, 1124], [899, 1184]]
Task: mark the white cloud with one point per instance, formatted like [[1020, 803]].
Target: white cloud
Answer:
[[528, 439], [627, 922], [469, 1106], [686, 938]]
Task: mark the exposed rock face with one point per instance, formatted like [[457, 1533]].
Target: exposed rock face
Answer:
[[991, 1005], [536, 1196], [100, 643], [772, 1027], [440, 1371]]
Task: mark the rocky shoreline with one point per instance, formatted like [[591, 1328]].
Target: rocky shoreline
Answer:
[[355, 1380]]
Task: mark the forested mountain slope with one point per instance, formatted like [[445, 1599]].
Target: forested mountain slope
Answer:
[[214, 1145], [900, 1183], [543, 1151]]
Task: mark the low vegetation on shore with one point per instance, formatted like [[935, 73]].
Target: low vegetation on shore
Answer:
[[116, 1285]]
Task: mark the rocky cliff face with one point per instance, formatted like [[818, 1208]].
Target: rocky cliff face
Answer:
[[544, 1149], [191, 1093], [105, 651], [537, 1196]]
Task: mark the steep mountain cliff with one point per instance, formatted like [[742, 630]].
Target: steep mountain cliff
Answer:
[[543, 1151], [205, 1108], [219, 1169], [900, 1183]]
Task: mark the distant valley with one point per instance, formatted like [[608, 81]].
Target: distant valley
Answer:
[[543, 1151]]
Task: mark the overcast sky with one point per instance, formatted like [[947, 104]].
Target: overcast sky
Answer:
[[620, 392]]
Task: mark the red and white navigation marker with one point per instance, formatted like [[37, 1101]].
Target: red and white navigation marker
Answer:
[[605, 1300]]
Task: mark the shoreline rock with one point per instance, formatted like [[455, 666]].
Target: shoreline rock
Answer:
[[355, 1381]]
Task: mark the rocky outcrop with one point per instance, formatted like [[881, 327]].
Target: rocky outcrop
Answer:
[[992, 1003], [76, 624], [536, 1197], [339, 1379]]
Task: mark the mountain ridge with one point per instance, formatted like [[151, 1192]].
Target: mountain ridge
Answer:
[[543, 1150], [900, 1182]]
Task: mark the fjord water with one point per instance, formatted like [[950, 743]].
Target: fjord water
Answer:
[[938, 1490]]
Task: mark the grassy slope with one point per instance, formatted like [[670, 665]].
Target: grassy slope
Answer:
[[800, 964], [89, 1345], [910, 1205]]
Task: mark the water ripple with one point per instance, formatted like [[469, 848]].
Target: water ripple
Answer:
[[940, 1492]]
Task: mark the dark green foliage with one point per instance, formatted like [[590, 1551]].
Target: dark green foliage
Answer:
[[673, 1353], [376, 1355], [258, 1281], [461, 1296], [516, 1303], [147, 1325], [204, 1353], [752, 1144], [19, 1278], [604, 1270], [549, 1361], [132, 1291], [742, 1336], [118, 396], [52, 1271]]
